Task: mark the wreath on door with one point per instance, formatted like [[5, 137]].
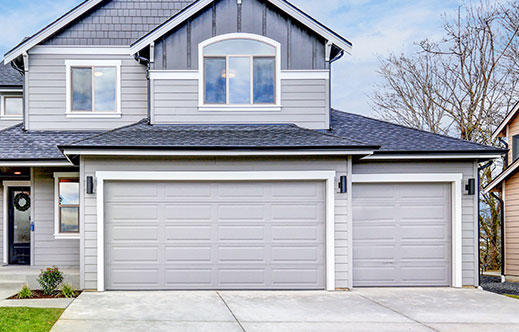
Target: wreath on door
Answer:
[[22, 202]]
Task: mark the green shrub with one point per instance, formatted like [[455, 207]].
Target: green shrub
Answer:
[[25, 292], [68, 291], [49, 279]]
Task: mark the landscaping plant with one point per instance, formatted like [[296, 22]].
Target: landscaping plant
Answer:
[[25, 292], [49, 279], [68, 291]]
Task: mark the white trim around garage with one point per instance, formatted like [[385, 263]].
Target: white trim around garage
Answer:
[[327, 176], [8, 184], [455, 179]]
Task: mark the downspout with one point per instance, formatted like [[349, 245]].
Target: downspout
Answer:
[[502, 217], [338, 56], [148, 64], [480, 168]]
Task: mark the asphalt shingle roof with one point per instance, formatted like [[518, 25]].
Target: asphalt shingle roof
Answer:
[[394, 138], [9, 76], [16, 143], [143, 135]]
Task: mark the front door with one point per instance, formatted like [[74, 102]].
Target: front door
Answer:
[[19, 225]]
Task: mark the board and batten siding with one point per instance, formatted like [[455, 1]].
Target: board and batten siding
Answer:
[[304, 102], [89, 213], [511, 195], [49, 251], [46, 94], [469, 203]]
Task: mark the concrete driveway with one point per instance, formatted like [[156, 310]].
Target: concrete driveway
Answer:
[[375, 309]]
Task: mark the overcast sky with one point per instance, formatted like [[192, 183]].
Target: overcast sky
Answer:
[[375, 27]]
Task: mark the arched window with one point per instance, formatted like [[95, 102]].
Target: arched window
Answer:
[[240, 69]]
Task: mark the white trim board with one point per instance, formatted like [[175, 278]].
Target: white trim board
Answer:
[[327, 176], [455, 179], [284, 75], [6, 185], [71, 50], [505, 121], [430, 156], [36, 163], [292, 11]]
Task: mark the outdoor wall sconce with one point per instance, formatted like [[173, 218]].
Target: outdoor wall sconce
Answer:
[[343, 184], [90, 185], [470, 187]]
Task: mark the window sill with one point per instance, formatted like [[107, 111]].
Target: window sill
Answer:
[[239, 108], [92, 115], [67, 236]]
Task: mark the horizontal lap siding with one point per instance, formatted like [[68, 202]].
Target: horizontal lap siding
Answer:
[[512, 226], [469, 203], [304, 102], [91, 165], [47, 93], [49, 251]]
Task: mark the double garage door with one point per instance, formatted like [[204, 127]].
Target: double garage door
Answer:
[[402, 234], [217, 235]]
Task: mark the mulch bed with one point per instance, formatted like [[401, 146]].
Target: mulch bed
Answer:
[[494, 285], [38, 294]]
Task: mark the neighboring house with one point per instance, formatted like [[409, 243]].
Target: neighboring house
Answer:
[[192, 145], [11, 96], [507, 184]]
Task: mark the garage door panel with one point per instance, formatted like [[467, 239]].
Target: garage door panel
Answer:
[[132, 212], [401, 234], [243, 239]]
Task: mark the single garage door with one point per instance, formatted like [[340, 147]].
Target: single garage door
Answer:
[[401, 234], [218, 235]]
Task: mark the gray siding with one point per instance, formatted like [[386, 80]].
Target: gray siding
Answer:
[[46, 94], [301, 49], [49, 251], [304, 102], [469, 203], [117, 22], [6, 122], [91, 164]]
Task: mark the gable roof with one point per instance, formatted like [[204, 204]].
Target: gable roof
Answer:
[[216, 137], [394, 138], [176, 19], [283, 5], [10, 77], [509, 117]]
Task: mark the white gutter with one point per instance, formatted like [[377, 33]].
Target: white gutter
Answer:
[[430, 156]]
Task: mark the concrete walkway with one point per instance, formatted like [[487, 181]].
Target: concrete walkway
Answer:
[[389, 309]]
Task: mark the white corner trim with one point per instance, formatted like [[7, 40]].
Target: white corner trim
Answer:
[[174, 75], [57, 234], [86, 63], [238, 35], [327, 176], [6, 185], [71, 50], [455, 179], [305, 74]]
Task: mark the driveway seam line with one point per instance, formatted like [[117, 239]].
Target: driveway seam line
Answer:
[[232, 313], [391, 309]]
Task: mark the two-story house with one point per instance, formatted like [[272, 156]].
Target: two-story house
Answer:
[[507, 185], [177, 144]]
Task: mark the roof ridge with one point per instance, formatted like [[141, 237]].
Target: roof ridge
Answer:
[[411, 128]]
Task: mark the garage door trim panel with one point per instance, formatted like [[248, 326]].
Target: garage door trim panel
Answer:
[[327, 176], [455, 179]]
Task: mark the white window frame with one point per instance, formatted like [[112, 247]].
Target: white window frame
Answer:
[[276, 106], [57, 221], [5, 116], [93, 63], [455, 181]]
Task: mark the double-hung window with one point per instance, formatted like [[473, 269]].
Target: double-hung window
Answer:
[[93, 87], [240, 72], [66, 186]]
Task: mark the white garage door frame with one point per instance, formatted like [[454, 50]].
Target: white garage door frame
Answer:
[[455, 179], [327, 176]]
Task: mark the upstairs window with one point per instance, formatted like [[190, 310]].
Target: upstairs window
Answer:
[[515, 147], [240, 71], [93, 88], [12, 106]]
